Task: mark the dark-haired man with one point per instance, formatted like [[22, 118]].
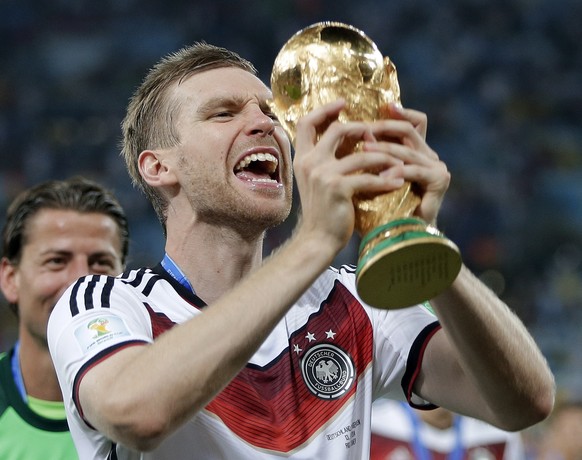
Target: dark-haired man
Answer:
[[54, 233]]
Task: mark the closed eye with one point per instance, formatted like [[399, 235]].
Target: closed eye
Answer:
[[224, 114], [272, 116]]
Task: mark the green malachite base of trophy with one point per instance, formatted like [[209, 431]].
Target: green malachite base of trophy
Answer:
[[405, 262]]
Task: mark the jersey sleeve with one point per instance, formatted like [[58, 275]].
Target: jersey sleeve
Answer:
[[400, 338], [94, 318]]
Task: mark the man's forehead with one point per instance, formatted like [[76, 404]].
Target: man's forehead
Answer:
[[63, 230], [56, 220], [223, 83]]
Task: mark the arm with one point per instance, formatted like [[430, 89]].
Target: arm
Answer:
[[499, 373], [141, 394]]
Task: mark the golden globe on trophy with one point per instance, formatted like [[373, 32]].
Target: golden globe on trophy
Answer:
[[402, 260]]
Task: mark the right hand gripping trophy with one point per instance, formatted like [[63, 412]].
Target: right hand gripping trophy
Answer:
[[402, 260]]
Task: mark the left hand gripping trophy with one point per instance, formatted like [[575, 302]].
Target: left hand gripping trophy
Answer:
[[402, 260]]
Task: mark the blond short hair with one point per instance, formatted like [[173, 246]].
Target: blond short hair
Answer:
[[149, 122]]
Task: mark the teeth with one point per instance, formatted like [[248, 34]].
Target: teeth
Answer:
[[258, 157], [270, 181]]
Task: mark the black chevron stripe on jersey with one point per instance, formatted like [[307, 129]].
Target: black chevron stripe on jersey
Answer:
[[73, 302], [87, 287], [105, 295], [89, 291], [139, 275]]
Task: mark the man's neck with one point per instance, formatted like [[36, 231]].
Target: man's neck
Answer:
[[38, 373], [439, 418], [214, 264]]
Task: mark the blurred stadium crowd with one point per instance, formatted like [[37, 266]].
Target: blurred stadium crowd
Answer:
[[500, 80]]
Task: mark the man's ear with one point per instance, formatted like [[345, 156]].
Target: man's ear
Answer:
[[9, 280], [154, 169]]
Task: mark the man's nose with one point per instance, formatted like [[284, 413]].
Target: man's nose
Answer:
[[260, 123], [78, 268]]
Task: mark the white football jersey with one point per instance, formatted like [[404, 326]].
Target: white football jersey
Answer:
[[305, 394]]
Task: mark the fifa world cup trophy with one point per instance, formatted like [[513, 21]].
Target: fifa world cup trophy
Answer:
[[402, 260]]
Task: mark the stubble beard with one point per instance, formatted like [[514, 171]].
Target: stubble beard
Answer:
[[224, 206]]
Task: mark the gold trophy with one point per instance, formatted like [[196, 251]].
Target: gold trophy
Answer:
[[402, 260]]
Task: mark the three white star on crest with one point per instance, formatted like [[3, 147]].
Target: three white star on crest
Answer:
[[311, 337]]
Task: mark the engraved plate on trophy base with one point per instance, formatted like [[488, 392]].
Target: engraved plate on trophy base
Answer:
[[404, 263]]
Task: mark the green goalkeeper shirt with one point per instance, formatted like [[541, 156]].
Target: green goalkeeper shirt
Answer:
[[24, 433]]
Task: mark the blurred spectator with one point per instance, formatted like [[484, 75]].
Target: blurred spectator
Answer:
[[560, 436], [55, 232], [400, 432]]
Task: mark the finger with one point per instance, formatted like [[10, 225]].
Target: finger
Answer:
[[418, 119], [395, 172], [401, 130], [427, 171], [364, 183], [434, 180], [424, 154], [341, 138], [374, 162], [311, 125], [389, 180]]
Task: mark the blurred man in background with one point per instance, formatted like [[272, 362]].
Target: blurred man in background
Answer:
[[400, 432], [54, 233], [560, 436]]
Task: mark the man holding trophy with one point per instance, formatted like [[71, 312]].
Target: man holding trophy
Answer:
[[218, 354]]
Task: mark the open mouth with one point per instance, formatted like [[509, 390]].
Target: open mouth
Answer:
[[258, 167]]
